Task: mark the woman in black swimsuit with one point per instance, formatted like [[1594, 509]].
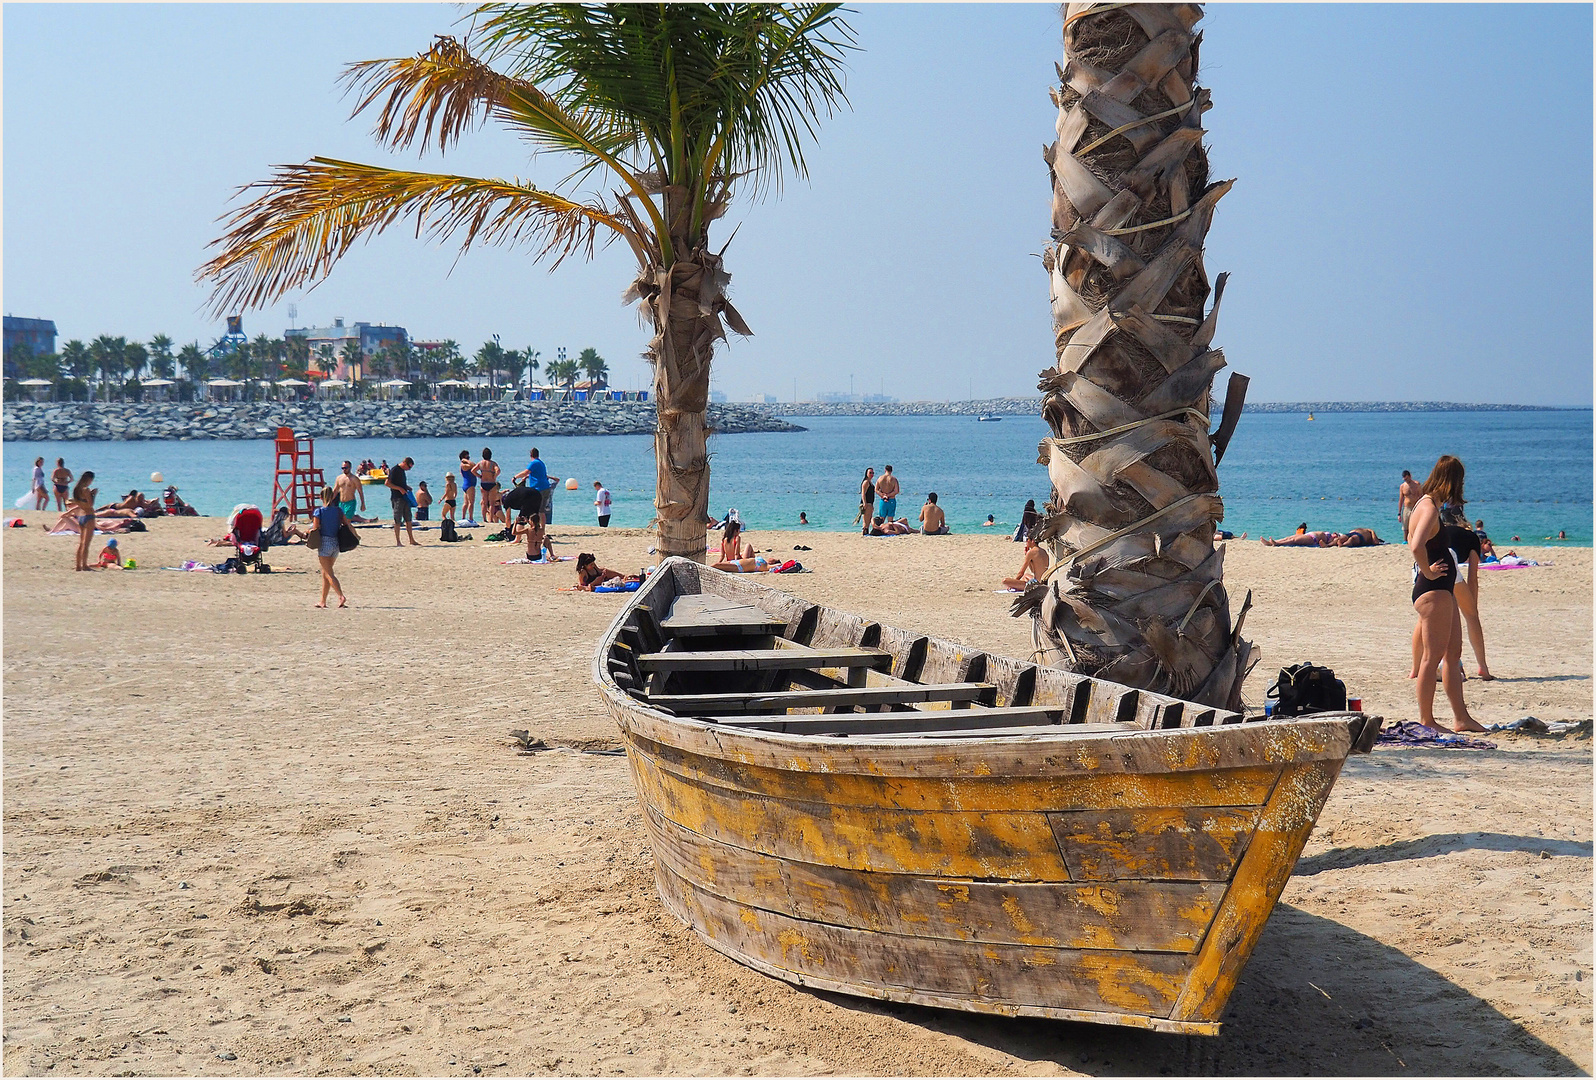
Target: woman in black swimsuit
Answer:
[[1440, 625]]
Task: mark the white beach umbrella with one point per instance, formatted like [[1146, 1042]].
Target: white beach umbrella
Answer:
[[282, 382], [224, 382], [396, 382], [42, 382], [146, 382], [334, 382]]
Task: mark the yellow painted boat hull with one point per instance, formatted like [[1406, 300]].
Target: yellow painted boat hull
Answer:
[[1114, 865]]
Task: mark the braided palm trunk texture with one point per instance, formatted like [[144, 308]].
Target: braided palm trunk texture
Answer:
[[1137, 594]]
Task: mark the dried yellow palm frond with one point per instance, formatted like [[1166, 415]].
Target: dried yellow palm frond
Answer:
[[308, 216]]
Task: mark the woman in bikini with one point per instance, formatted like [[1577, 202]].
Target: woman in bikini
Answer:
[[590, 575], [1435, 574], [468, 484], [83, 503], [451, 496], [62, 479], [487, 471], [736, 554]]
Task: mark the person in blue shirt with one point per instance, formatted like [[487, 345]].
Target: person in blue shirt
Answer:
[[536, 475]]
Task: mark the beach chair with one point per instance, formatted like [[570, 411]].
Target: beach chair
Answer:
[[245, 529]]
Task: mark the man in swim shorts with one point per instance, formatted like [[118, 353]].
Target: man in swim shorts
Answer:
[[398, 484], [1408, 494], [348, 489], [887, 489]]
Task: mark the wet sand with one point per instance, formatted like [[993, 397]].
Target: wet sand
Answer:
[[235, 825]]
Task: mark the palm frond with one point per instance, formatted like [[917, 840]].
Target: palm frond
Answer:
[[308, 216]]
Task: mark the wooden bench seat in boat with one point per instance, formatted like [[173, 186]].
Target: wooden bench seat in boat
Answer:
[[838, 698], [914, 722], [710, 616], [764, 659]]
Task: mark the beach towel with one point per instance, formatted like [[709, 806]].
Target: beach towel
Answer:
[[22, 503], [626, 586], [1532, 725], [536, 562], [1511, 562], [1413, 733]]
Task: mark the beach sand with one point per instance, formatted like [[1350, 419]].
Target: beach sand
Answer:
[[244, 836]]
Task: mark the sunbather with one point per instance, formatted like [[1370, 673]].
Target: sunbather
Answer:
[[590, 575], [880, 526], [1302, 539], [1359, 537], [1034, 568]]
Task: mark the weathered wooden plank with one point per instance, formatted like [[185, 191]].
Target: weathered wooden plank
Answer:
[[1283, 827], [694, 704], [1165, 844], [763, 659], [1108, 980], [739, 619], [1136, 915], [1013, 846], [943, 723], [1224, 787]]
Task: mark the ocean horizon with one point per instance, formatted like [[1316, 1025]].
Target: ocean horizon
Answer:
[[1529, 471]]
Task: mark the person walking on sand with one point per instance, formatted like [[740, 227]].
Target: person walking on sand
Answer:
[[468, 485], [1034, 568], [329, 518], [1434, 576], [62, 479], [887, 489], [933, 522], [398, 484], [82, 502], [601, 501], [1408, 493], [867, 498], [348, 488]]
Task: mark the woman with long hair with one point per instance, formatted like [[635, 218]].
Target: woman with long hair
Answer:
[[329, 518], [1435, 574], [867, 499], [83, 498]]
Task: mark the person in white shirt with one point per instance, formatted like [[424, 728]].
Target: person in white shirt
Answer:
[[601, 500]]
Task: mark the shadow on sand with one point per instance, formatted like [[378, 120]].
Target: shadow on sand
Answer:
[[1440, 844], [1316, 999]]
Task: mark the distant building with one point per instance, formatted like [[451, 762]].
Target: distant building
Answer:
[[369, 337], [37, 334], [877, 399], [718, 396], [764, 399]]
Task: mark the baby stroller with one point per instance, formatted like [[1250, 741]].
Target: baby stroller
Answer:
[[245, 529]]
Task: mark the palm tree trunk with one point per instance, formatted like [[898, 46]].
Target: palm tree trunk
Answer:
[[1136, 595], [685, 303]]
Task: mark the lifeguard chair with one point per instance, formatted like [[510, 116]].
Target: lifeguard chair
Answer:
[[298, 482]]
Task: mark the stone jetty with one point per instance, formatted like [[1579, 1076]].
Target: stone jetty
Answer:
[[104, 421]]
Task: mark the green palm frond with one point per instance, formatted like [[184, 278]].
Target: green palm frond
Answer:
[[308, 216]]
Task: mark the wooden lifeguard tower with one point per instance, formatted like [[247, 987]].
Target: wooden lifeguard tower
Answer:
[[298, 482]]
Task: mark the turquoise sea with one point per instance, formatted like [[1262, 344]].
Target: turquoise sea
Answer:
[[1529, 473]]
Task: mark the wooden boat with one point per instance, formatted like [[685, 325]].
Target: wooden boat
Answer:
[[857, 808]]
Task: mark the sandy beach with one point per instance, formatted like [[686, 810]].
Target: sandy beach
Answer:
[[245, 836]]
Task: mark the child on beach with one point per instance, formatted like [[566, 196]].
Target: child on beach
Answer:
[[423, 501], [109, 555], [450, 497]]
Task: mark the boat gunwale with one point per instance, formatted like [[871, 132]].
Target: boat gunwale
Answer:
[[1175, 749]]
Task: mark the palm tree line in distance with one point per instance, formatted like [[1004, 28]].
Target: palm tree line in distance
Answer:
[[114, 368]]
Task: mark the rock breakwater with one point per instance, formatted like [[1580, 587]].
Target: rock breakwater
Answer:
[[112, 421]]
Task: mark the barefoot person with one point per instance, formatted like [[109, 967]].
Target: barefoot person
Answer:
[[887, 489], [41, 494], [468, 486], [348, 488], [61, 478], [590, 575], [1408, 493], [82, 503], [1435, 574], [487, 471], [398, 484], [867, 498], [1034, 568], [329, 516], [933, 522], [601, 503], [451, 497], [1466, 545]]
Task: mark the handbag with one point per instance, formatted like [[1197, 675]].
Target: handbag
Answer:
[[347, 540], [313, 540]]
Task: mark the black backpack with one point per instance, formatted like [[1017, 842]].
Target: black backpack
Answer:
[[1306, 688], [446, 531]]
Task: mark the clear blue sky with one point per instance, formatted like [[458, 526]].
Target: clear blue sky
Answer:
[[1412, 218]]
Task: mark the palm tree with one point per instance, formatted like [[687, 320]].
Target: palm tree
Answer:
[[76, 361], [135, 358], [106, 354], [598, 372], [354, 362], [488, 361], [160, 350], [325, 359], [1136, 593], [563, 372], [297, 350], [530, 359], [195, 363], [665, 108]]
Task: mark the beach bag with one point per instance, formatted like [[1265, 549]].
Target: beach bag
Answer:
[[446, 531], [1307, 688], [347, 540]]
